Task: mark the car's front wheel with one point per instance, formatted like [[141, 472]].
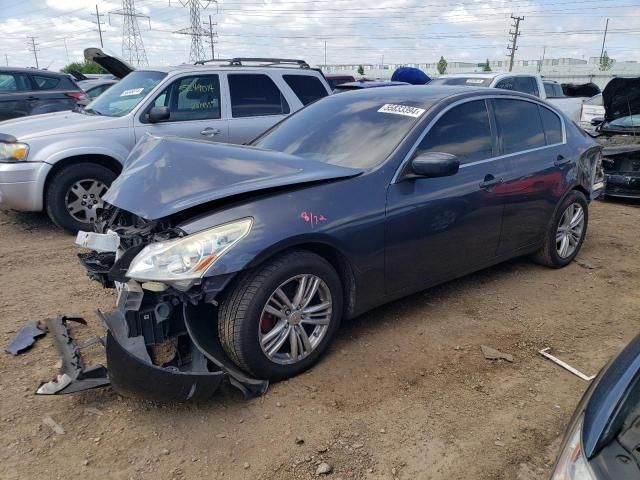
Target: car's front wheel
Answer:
[[75, 193], [278, 320], [566, 232]]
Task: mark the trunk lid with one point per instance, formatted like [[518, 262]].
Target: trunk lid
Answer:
[[621, 98]]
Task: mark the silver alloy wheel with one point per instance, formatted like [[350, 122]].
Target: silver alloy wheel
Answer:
[[570, 229], [83, 198], [295, 319]]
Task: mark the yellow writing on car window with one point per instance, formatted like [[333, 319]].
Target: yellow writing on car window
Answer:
[[205, 105], [198, 87]]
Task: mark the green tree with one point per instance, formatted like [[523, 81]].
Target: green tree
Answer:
[[442, 66], [605, 62], [486, 67], [360, 70], [84, 67]]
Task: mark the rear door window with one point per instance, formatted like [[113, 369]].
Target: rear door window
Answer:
[[14, 82], [307, 88], [46, 83], [255, 95], [463, 131], [552, 125], [520, 84], [519, 125]]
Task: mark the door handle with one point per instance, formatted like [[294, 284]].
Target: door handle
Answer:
[[31, 97], [210, 132], [490, 181], [561, 160]]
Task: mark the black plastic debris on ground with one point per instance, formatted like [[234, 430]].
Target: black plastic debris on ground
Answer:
[[26, 337]]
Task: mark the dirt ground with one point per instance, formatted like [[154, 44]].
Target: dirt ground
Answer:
[[404, 392]]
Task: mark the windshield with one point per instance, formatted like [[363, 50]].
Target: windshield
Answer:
[[126, 94], [344, 130], [630, 121], [469, 81]]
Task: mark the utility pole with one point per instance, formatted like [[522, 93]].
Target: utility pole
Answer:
[[6, 59], [514, 39], [195, 31], [33, 48], [212, 35], [64, 39], [99, 23], [544, 50], [325, 54], [132, 46], [606, 27]]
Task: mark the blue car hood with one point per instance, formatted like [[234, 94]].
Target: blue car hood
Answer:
[[166, 175]]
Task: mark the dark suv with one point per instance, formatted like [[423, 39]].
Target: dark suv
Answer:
[[26, 91]]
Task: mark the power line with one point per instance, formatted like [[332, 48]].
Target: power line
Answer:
[[33, 47], [132, 45], [196, 53], [99, 23], [512, 47]]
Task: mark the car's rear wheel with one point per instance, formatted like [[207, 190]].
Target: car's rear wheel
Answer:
[[278, 320], [75, 193], [566, 232]]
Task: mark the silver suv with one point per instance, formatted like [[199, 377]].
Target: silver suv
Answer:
[[64, 162]]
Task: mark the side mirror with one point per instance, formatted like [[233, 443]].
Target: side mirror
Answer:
[[158, 114], [434, 164], [595, 121]]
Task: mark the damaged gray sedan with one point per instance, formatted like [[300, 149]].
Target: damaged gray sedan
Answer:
[[239, 262]]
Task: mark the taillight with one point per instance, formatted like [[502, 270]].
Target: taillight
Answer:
[[77, 95]]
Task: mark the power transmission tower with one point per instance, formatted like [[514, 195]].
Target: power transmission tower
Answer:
[[33, 47], [212, 35], [99, 23], [195, 30], [514, 39], [132, 46]]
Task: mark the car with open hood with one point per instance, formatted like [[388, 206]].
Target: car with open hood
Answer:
[[64, 162], [240, 262], [619, 133], [602, 441]]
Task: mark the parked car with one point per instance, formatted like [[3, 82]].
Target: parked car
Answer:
[[602, 441], [619, 133], [95, 87], [250, 256], [335, 80], [68, 160], [27, 91], [360, 84], [591, 108], [518, 82]]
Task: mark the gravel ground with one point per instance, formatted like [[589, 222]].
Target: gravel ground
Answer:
[[404, 392]]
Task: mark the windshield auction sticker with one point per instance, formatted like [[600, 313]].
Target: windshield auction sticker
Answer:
[[405, 110], [133, 91]]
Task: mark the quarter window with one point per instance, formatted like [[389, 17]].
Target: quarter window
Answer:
[[552, 126], [46, 83], [191, 98], [463, 131], [307, 88], [519, 125], [519, 84], [255, 95]]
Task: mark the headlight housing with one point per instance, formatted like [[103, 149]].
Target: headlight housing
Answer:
[[180, 262], [572, 464], [13, 152]]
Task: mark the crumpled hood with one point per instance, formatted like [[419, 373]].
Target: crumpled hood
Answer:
[[58, 123], [621, 98], [166, 175]]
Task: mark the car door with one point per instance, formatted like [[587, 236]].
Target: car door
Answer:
[[14, 91], [439, 228], [257, 104], [531, 137], [195, 108]]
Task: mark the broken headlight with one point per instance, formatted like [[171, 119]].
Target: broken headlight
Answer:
[[13, 152], [179, 262], [572, 464]]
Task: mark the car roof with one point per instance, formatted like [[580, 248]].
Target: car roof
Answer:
[[31, 70], [189, 68], [483, 74], [369, 84]]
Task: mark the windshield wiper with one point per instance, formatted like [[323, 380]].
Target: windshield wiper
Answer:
[[91, 111]]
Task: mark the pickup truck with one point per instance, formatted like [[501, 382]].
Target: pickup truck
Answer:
[[519, 82], [64, 162]]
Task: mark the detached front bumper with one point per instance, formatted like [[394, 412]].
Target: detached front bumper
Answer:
[[22, 185], [623, 186]]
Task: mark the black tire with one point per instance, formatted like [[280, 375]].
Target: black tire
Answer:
[[59, 187], [239, 315], [548, 255]]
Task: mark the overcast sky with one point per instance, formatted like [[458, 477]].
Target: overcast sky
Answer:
[[355, 31]]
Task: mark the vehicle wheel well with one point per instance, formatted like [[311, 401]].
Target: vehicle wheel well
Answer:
[[109, 162], [582, 190], [339, 262]]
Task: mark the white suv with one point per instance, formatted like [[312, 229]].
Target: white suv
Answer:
[[63, 162]]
